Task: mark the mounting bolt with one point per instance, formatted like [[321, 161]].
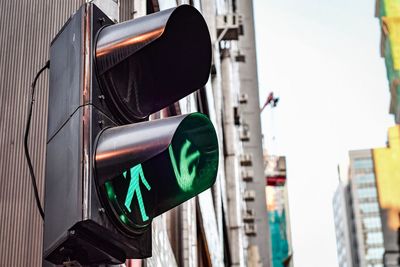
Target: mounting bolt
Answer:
[[101, 210], [72, 232], [100, 122], [101, 21], [101, 97]]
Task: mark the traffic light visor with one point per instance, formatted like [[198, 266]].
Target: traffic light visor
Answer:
[[146, 64]]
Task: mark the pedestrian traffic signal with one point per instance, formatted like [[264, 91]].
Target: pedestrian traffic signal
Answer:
[[110, 170], [179, 161]]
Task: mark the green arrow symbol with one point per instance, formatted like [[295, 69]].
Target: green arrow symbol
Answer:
[[183, 176]]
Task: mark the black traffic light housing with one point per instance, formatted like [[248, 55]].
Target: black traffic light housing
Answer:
[[168, 51], [103, 78]]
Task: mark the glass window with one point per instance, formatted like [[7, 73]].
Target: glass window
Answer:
[[369, 208], [366, 192], [374, 253], [372, 222], [363, 166], [363, 163], [374, 238], [365, 178]]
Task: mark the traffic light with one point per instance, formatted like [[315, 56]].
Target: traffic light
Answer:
[[179, 161], [109, 170]]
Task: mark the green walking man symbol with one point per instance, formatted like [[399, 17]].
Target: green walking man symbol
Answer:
[[184, 176], [136, 174]]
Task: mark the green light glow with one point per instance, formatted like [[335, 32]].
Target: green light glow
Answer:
[[184, 177], [123, 218], [110, 191], [136, 173], [163, 178]]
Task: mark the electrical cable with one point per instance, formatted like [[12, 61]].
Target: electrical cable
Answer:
[[28, 124]]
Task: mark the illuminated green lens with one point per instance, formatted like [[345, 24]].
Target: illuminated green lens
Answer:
[[125, 192], [184, 177], [194, 154], [186, 167]]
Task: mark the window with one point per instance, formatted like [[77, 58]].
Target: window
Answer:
[[369, 208], [363, 163], [374, 253], [371, 222], [367, 192], [365, 178], [363, 166], [374, 238]]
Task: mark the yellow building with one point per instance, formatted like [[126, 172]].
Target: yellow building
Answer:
[[388, 12], [387, 173]]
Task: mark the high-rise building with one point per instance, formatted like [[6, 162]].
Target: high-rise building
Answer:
[[362, 219], [387, 172], [365, 208], [246, 61], [208, 230], [344, 226]]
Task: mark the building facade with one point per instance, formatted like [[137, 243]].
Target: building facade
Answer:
[[362, 221], [387, 172], [251, 124], [388, 13], [208, 230], [343, 214], [278, 211], [366, 208]]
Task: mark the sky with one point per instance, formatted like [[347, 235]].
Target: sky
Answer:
[[322, 59]]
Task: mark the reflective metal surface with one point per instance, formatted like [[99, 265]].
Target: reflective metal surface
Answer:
[[117, 42], [119, 148]]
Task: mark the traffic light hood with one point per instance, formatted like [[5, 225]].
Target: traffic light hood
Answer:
[[120, 148], [145, 64]]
